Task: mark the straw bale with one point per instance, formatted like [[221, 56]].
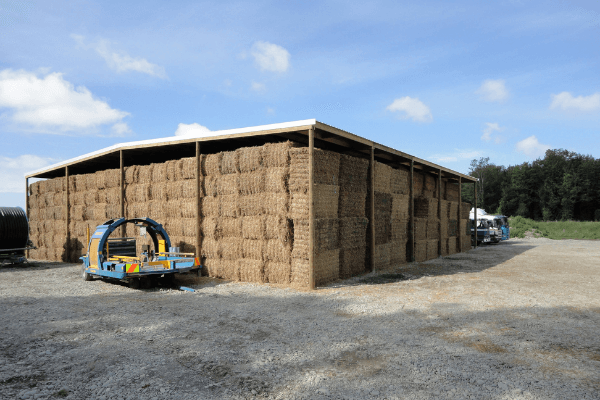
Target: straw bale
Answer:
[[209, 185], [277, 250], [88, 213], [277, 227], [159, 173], [113, 195], [209, 227], [352, 261], [253, 249], [326, 168], [145, 173], [40, 254], [59, 213], [34, 188], [229, 162], [452, 191], [173, 190], [420, 250], [400, 181], [231, 248], [250, 158], [326, 200], [466, 226], [452, 227], [101, 196], [210, 248], [353, 173], [383, 202], [452, 245], [157, 210], [420, 228], [99, 211], [353, 232], [352, 204], [113, 211], [430, 182], [189, 167], [383, 178], [229, 270], [277, 154], [383, 227], [174, 227], [49, 226], [253, 227], [426, 207], [443, 228], [326, 236], [452, 209], [172, 209], [276, 179], [212, 164], [400, 206], [327, 267], [112, 178], [138, 193], [60, 184], [444, 209], [131, 174], [417, 183], [252, 182], [465, 210], [398, 252], [251, 270], [382, 255], [211, 206], [211, 266], [229, 205], [158, 191], [174, 170], [137, 210], [228, 184], [49, 199], [188, 208], [59, 198], [276, 272], [466, 243], [253, 204], [399, 229], [34, 214], [433, 229], [432, 249]]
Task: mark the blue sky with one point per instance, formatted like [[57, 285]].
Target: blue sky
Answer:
[[444, 81]]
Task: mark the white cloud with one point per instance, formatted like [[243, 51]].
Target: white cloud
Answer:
[[411, 108], [13, 171], [258, 87], [493, 90], [531, 147], [194, 130], [456, 156], [52, 104], [566, 102], [489, 129], [270, 111], [121, 129], [270, 57], [123, 62]]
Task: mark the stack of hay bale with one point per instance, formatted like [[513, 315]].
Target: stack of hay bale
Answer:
[[47, 219], [400, 184], [465, 209], [426, 228], [326, 197], [383, 215], [352, 215]]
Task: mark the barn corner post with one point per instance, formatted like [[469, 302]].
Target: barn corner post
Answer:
[[198, 202], [372, 209], [475, 211], [411, 205], [461, 229], [27, 211], [122, 192], [311, 208], [67, 218], [440, 211]]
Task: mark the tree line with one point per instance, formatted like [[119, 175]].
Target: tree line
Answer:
[[561, 186]]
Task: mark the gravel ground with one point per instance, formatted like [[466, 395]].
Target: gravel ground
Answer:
[[517, 320]]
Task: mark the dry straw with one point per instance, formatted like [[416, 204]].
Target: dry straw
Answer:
[[383, 227], [253, 249], [465, 209], [276, 179], [398, 252], [173, 190], [277, 250], [253, 204], [426, 207], [420, 227], [383, 202], [432, 249], [383, 178], [417, 183], [228, 184], [277, 227], [353, 232], [174, 170], [433, 229], [351, 204], [420, 250], [212, 164], [400, 206], [452, 245], [326, 200], [353, 173], [189, 167], [252, 182], [327, 266], [451, 191], [352, 261], [229, 162], [158, 191], [279, 273], [400, 181], [172, 209], [276, 203], [231, 248], [326, 168], [159, 173], [210, 206], [250, 158], [251, 270], [230, 227], [229, 205], [452, 228], [229, 270], [253, 227], [382, 255], [399, 229], [276, 155], [210, 248]]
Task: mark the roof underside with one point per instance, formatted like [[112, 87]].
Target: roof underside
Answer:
[[161, 150]]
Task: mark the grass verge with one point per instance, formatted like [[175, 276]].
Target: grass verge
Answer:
[[554, 229]]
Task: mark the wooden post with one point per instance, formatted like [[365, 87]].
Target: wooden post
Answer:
[[198, 202], [372, 208], [67, 218], [311, 208], [475, 212], [411, 205], [122, 181], [440, 211], [461, 229], [27, 210]]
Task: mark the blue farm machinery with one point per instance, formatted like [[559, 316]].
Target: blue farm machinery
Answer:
[[117, 258]]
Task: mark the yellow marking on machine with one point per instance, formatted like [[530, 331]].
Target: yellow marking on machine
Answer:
[[166, 264]]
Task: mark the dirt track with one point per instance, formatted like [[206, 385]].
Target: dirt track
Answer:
[[515, 320]]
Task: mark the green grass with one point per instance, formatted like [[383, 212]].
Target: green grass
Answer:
[[555, 229]]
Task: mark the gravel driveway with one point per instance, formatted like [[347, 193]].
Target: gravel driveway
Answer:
[[520, 319]]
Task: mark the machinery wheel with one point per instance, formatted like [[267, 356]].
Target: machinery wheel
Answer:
[[86, 277], [145, 282], [168, 279], [134, 283]]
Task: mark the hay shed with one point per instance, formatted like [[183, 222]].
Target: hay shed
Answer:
[[299, 204]]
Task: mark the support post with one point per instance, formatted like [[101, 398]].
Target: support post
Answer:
[[372, 209], [440, 211], [475, 212], [411, 206], [67, 218], [198, 202], [311, 208], [27, 210], [122, 192], [461, 229]]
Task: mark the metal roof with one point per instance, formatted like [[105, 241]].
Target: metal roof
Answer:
[[159, 150]]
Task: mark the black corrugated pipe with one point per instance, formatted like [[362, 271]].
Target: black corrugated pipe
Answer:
[[14, 229]]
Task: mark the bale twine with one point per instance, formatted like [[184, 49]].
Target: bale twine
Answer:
[[278, 273], [229, 162], [276, 179], [352, 261], [399, 229], [432, 249], [211, 206], [420, 250], [211, 164], [383, 178], [400, 181], [250, 158], [231, 248], [189, 167], [353, 173], [353, 232], [352, 204], [145, 174], [433, 229], [210, 248], [277, 227], [276, 203], [420, 227], [132, 174], [228, 184], [229, 205], [173, 190], [159, 173], [253, 227], [253, 249], [251, 270], [398, 252], [276, 155], [400, 206], [158, 191], [278, 251], [230, 227], [252, 182]]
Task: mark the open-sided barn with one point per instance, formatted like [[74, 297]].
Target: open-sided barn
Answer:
[[299, 203]]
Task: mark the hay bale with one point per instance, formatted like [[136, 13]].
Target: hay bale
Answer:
[[430, 182], [399, 229], [88, 213], [420, 250], [137, 210], [212, 266], [326, 200], [99, 211], [113, 211], [112, 178], [34, 188], [210, 228], [352, 261], [210, 248], [398, 252], [228, 184], [276, 179], [432, 249], [383, 203], [113, 195], [465, 210], [326, 236], [174, 170], [327, 267], [209, 185], [173, 190], [382, 255], [452, 245], [275, 155], [211, 206], [279, 273], [211, 164], [420, 227], [452, 227], [253, 249], [426, 207], [383, 227], [253, 204], [230, 227], [229, 270], [174, 227], [101, 196], [189, 228], [353, 232], [132, 174], [172, 209], [383, 178], [159, 173], [250, 158], [158, 191], [417, 183], [251, 270], [277, 227], [353, 174], [451, 191], [188, 208], [276, 203], [326, 168], [400, 206], [252, 182], [157, 210], [253, 227], [452, 209], [433, 229], [189, 167], [230, 248], [229, 205], [466, 243], [400, 181], [229, 162], [278, 251], [59, 199], [352, 204]]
